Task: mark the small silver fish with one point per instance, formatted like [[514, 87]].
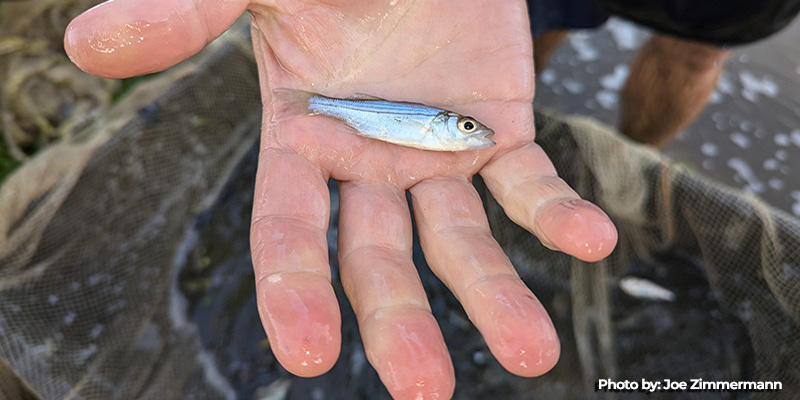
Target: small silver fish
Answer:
[[645, 289], [405, 124]]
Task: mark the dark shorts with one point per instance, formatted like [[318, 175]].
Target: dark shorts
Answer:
[[729, 22], [547, 15]]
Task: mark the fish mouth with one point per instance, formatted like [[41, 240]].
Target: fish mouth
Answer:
[[486, 138], [489, 135], [482, 142]]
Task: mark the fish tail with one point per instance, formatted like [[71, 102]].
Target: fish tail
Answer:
[[289, 103]]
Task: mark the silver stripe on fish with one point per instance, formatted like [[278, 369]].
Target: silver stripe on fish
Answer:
[[405, 124]]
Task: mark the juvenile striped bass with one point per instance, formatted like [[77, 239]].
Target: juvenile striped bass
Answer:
[[406, 124]]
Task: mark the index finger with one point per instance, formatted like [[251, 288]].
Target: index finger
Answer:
[[524, 182], [124, 38]]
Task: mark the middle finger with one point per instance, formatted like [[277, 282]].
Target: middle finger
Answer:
[[401, 337]]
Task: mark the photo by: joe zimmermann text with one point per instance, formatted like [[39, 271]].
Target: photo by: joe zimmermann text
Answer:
[[692, 385]]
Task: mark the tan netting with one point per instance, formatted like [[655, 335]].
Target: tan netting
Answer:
[[43, 96], [96, 229], [91, 229]]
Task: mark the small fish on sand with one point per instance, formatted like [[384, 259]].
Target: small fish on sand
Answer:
[[406, 124]]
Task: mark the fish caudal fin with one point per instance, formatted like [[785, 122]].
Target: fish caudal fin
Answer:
[[289, 103]]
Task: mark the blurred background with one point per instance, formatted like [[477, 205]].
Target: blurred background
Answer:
[[747, 137]]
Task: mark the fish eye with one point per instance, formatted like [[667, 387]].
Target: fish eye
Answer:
[[467, 125]]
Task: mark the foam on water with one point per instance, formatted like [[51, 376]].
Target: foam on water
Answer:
[[616, 80], [725, 85], [69, 318], [740, 140], [607, 99], [775, 184], [796, 206], [626, 35], [583, 46], [548, 76], [782, 140], [794, 137], [746, 173], [752, 86], [709, 149], [771, 164], [573, 86], [716, 98]]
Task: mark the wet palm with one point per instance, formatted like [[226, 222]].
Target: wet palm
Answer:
[[473, 57]]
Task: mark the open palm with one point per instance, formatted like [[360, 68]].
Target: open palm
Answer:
[[473, 57]]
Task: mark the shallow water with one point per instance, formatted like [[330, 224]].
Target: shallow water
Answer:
[[747, 137]]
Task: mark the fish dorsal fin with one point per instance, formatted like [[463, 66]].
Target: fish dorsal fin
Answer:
[[362, 96]]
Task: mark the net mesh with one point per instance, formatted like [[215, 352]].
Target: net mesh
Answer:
[[125, 271], [681, 227], [92, 226]]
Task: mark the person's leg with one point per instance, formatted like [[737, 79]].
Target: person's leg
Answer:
[[544, 46], [669, 84]]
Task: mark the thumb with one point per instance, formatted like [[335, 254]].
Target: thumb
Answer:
[[123, 38]]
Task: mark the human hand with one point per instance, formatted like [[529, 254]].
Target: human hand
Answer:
[[474, 58]]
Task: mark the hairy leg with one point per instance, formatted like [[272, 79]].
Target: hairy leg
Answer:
[[669, 85], [544, 46]]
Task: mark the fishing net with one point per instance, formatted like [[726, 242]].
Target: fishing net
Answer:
[[125, 270]]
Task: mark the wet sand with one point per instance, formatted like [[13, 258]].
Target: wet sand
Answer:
[[748, 136]]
